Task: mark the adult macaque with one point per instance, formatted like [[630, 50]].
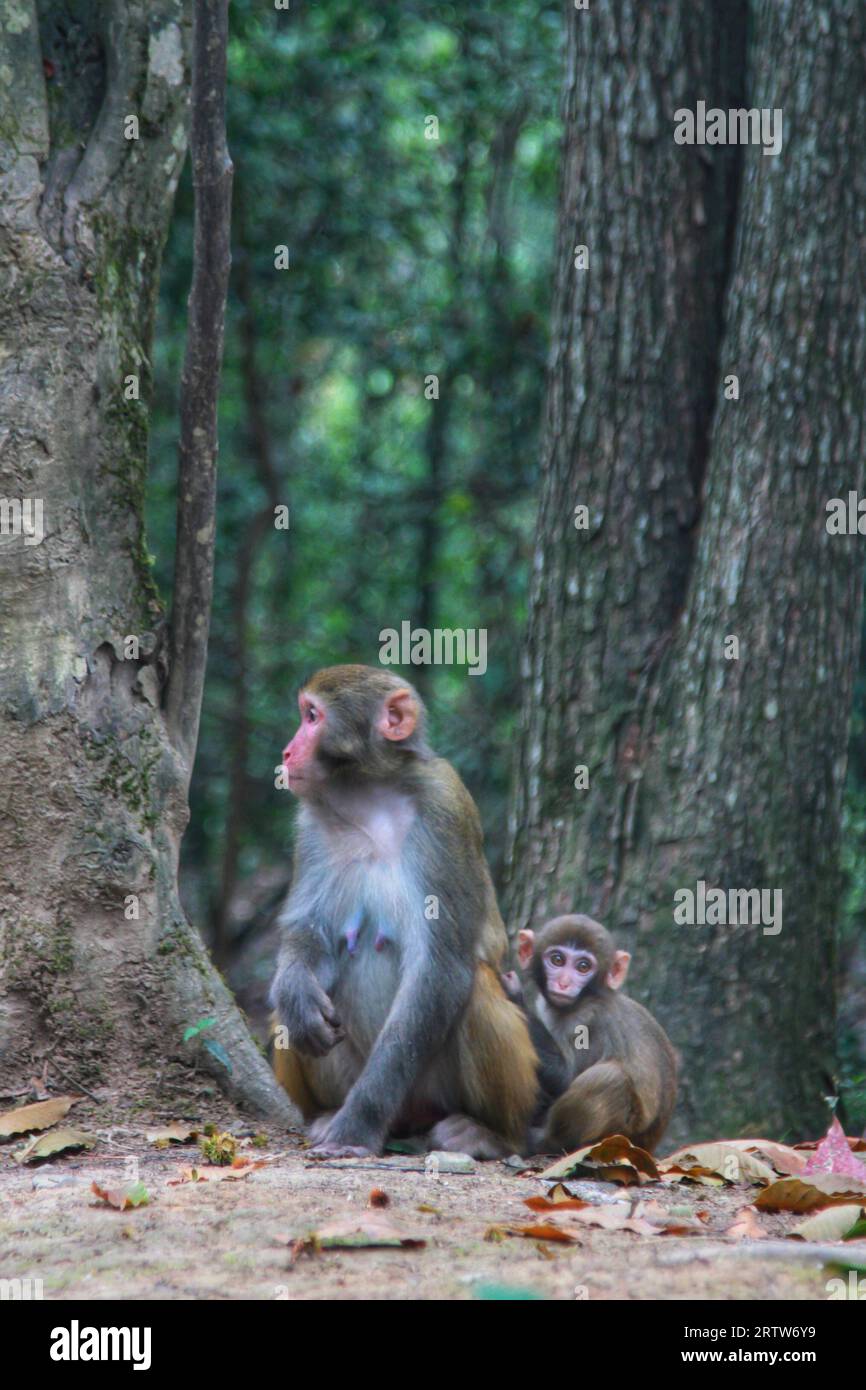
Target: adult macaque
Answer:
[[387, 984], [606, 1067]]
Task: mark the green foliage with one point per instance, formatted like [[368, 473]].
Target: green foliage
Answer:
[[408, 257], [196, 1028]]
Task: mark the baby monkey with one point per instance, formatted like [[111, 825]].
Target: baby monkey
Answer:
[[605, 1065]]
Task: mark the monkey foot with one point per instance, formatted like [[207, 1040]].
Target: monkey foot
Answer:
[[462, 1134], [323, 1146], [339, 1151]]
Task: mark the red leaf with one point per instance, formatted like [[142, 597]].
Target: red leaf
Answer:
[[833, 1155]]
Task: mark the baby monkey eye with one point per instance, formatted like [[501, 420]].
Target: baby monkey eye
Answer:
[[584, 965], [557, 958], [312, 714]]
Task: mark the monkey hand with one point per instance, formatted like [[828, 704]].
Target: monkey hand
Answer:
[[512, 986], [305, 1011]]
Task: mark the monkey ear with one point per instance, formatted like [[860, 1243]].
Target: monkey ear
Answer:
[[399, 715], [525, 947], [618, 971]]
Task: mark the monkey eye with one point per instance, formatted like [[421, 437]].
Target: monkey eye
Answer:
[[556, 958], [584, 965], [311, 714]]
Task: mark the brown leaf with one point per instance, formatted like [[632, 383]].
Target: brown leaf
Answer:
[[39, 1116], [809, 1194], [703, 1177], [559, 1193], [614, 1159], [556, 1204], [378, 1198], [746, 1226], [546, 1230], [54, 1142]]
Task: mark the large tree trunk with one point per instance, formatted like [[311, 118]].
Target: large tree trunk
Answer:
[[729, 771], [635, 342], [100, 970]]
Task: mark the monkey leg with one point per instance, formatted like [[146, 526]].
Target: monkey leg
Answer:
[[496, 1068], [601, 1101], [317, 1085]]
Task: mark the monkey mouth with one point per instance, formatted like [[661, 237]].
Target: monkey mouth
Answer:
[[563, 999]]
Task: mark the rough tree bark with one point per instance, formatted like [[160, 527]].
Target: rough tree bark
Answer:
[[93, 802], [729, 771]]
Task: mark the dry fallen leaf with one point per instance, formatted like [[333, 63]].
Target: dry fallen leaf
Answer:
[[809, 1194], [546, 1230], [833, 1223], [215, 1172], [833, 1155], [54, 1142], [378, 1198], [670, 1223], [785, 1159], [366, 1230], [614, 1159], [702, 1177], [746, 1226], [555, 1203], [122, 1198], [721, 1159], [39, 1116], [173, 1134], [564, 1223]]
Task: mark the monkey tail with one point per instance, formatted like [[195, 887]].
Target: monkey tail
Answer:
[[497, 1060], [289, 1071]]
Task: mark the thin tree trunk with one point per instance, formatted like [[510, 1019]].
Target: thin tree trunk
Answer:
[[99, 968], [451, 328], [257, 529], [192, 590]]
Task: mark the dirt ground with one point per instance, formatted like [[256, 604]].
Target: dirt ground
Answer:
[[234, 1239]]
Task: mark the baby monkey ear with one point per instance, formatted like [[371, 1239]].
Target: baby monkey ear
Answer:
[[399, 715], [525, 947], [616, 975]]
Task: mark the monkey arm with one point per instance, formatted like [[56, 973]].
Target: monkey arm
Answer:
[[431, 996], [300, 990], [554, 1072]]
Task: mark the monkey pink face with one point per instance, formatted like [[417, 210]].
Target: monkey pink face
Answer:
[[299, 756], [567, 970]]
